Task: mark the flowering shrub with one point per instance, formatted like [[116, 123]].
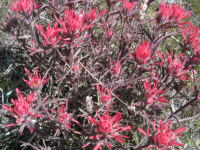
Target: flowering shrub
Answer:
[[98, 61]]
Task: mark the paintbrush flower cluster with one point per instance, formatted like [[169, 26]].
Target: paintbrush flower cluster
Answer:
[[104, 71]]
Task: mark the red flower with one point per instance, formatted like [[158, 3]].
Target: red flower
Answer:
[[105, 124], [128, 5], [164, 137], [24, 7], [192, 34], [196, 54], [51, 35], [171, 13], [76, 69], [116, 68], [74, 21], [167, 137], [65, 118], [110, 33], [176, 67], [191, 40], [142, 53], [105, 98], [92, 14], [107, 128], [72, 24], [154, 93], [22, 110], [35, 82]]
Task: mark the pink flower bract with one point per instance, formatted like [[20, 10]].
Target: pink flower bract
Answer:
[[164, 137], [171, 13], [153, 94], [35, 82], [51, 36], [22, 110], [128, 5], [108, 128], [142, 53], [24, 7]]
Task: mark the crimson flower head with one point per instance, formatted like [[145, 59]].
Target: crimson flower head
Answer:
[[22, 110], [92, 14], [176, 67], [105, 98], [107, 128], [116, 68], [164, 137], [24, 7], [190, 36], [76, 69], [142, 53], [153, 94], [73, 23], [65, 118], [171, 13], [35, 82], [110, 33], [191, 40], [196, 54], [51, 36], [128, 5]]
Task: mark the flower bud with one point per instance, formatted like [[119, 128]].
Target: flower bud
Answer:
[[110, 33]]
